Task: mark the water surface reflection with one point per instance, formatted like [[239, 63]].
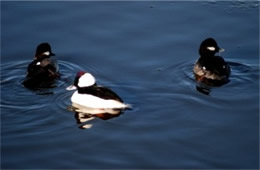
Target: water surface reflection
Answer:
[[85, 114]]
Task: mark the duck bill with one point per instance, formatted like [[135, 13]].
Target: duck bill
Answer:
[[71, 87], [221, 50]]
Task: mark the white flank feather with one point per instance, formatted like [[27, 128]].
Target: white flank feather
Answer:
[[96, 102]]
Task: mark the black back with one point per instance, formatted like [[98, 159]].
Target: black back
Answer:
[[215, 64], [100, 91], [42, 72]]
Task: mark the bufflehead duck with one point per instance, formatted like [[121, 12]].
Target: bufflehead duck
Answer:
[[90, 95], [211, 69], [43, 70]]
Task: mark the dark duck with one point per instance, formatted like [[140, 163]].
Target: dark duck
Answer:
[[209, 68], [43, 70]]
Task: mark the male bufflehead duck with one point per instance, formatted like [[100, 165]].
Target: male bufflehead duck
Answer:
[[43, 70], [210, 68], [90, 95]]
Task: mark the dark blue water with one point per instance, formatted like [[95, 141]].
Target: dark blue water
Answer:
[[144, 51]]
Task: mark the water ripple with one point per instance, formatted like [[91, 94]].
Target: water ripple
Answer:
[[180, 81], [24, 106]]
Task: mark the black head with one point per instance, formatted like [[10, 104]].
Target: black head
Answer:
[[76, 80], [209, 47], [44, 49]]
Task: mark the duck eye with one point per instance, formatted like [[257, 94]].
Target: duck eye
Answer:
[[224, 66], [211, 48], [38, 63], [204, 68]]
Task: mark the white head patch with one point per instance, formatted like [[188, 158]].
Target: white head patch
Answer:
[[211, 48], [46, 53], [86, 80]]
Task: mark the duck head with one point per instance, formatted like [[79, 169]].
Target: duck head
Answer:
[[43, 49], [209, 47], [82, 80]]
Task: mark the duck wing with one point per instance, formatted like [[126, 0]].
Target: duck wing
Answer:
[[216, 65], [100, 91], [44, 67]]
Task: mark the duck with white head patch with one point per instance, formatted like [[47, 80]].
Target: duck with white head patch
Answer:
[[90, 95], [43, 70], [211, 69]]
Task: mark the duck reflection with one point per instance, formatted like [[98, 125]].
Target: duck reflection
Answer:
[[85, 115], [205, 85]]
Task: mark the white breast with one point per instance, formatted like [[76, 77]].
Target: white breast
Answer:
[[96, 102]]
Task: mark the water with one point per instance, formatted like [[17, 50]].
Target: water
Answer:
[[144, 51]]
